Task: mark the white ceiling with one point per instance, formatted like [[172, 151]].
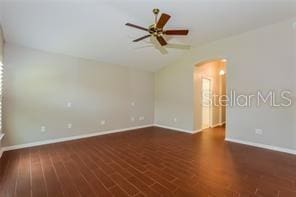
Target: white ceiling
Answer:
[[95, 29]]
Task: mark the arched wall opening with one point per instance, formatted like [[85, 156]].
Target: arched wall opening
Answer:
[[209, 94]]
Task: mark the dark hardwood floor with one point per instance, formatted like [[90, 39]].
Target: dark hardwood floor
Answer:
[[148, 162]]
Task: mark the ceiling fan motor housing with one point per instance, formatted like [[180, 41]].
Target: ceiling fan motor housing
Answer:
[[153, 30], [156, 29]]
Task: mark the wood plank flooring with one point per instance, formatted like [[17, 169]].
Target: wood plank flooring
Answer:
[[148, 162]]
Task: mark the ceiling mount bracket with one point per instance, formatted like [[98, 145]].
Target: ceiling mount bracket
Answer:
[[155, 11]]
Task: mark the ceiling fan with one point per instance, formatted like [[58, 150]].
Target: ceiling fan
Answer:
[[157, 30]]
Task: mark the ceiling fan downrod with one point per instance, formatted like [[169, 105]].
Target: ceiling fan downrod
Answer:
[[155, 12]]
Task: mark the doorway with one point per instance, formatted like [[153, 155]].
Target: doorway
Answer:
[[209, 93], [206, 103]]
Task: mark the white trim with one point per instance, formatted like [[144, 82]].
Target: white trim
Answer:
[[217, 125], [1, 149], [211, 79], [1, 136], [265, 146], [197, 131], [274, 148], [175, 129], [7, 148]]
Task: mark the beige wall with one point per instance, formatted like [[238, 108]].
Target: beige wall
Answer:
[[294, 82], [261, 59], [1, 60], [174, 96], [222, 84], [38, 85], [1, 44], [223, 92], [207, 70]]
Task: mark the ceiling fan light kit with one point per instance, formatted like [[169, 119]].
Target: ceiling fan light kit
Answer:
[[157, 30]]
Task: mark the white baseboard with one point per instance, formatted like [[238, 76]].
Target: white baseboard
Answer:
[[175, 129], [197, 131], [265, 146], [7, 148], [218, 124], [51, 141]]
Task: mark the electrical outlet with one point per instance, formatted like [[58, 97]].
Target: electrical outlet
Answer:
[[69, 125], [69, 104], [133, 104], [103, 122], [175, 119], [133, 119], [43, 129], [141, 118], [259, 131]]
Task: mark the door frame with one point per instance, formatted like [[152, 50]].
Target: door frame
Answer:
[[210, 107]]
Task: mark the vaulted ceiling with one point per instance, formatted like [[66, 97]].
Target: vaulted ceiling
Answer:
[[95, 29]]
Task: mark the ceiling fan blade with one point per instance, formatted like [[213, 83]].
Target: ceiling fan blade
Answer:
[[176, 32], [143, 47], [163, 20], [178, 46], [161, 40], [157, 46], [136, 26], [136, 40]]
